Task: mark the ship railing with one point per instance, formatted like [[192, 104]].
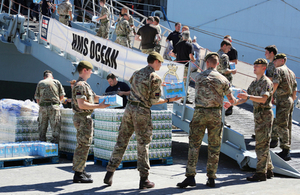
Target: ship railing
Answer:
[[89, 25]]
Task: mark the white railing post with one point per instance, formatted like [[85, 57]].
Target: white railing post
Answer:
[[9, 7], [1, 6], [28, 17]]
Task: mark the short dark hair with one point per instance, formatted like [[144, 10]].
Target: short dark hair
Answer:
[[156, 19], [213, 59], [150, 18], [47, 72], [272, 48], [225, 42], [111, 76], [151, 59], [104, 1], [177, 23]]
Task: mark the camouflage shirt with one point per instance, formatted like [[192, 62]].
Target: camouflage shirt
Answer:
[[131, 23], [122, 28], [64, 8], [263, 86], [48, 91], [104, 11], [224, 65], [270, 70], [210, 88], [286, 80], [82, 90], [145, 86]]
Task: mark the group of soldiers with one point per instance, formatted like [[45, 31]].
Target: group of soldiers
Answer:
[[211, 87], [274, 83]]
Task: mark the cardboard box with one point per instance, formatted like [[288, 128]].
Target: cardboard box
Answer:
[[174, 89]]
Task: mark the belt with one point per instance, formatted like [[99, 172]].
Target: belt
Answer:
[[259, 109], [121, 35], [139, 104], [48, 104], [199, 107]]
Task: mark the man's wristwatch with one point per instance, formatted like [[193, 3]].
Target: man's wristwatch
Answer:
[[168, 100], [248, 97]]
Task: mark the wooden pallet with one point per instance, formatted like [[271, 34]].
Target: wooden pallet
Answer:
[[69, 155], [133, 164], [14, 162]]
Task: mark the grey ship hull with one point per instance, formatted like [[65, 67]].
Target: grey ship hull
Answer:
[[20, 73]]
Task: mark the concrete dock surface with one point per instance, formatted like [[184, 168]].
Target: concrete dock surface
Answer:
[[57, 178]]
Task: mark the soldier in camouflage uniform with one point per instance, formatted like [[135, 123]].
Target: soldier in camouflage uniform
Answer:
[[83, 106], [270, 53], [104, 19], [122, 31], [65, 10], [224, 67], [285, 89], [49, 93], [210, 89], [260, 92], [145, 92], [124, 10]]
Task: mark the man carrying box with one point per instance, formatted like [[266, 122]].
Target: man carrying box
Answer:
[[145, 92], [83, 99], [260, 92], [117, 87], [211, 86]]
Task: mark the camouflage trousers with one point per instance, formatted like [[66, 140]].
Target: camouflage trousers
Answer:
[[203, 118], [103, 30], [147, 51], [282, 126], [263, 127], [135, 119], [122, 41], [185, 73], [52, 114], [64, 19], [84, 126]]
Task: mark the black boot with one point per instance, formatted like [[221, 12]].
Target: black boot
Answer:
[[285, 154], [228, 111], [145, 183], [79, 177], [270, 174], [108, 178], [211, 182], [227, 125], [189, 181], [258, 177], [88, 175], [274, 143]]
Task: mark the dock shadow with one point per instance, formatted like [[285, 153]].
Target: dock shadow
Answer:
[[50, 187]]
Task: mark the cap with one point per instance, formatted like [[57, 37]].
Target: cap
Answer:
[[72, 82], [260, 61], [280, 56], [86, 65], [210, 54], [156, 56]]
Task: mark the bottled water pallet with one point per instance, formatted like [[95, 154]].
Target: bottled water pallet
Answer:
[[132, 164], [24, 161], [69, 155]]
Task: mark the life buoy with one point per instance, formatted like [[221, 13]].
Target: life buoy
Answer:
[[158, 13]]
